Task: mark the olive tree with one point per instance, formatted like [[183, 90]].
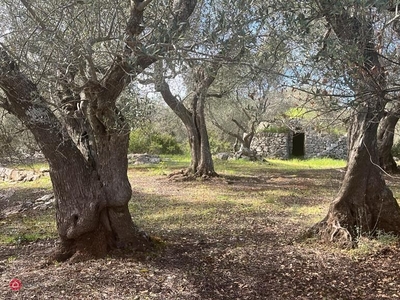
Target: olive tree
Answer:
[[62, 68], [364, 204], [337, 61]]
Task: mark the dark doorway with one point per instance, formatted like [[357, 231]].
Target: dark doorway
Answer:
[[298, 144]]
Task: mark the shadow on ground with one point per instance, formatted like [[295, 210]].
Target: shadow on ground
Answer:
[[219, 239]]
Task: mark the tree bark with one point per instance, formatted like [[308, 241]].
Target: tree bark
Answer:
[[386, 130], [91, 196], [205, 166], [194, 120], [364, 205], [86, 145]]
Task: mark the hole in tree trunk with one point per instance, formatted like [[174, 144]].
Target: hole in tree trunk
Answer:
[[75, 217]]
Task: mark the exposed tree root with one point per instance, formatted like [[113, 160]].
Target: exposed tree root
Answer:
[[332, 232], [189, 175], [98, 244]]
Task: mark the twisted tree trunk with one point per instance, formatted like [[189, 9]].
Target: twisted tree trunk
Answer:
[[364, 205], [92, 193], [86, 145], [194, 120], [386, 130]]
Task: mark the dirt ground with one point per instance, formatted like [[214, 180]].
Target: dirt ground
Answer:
[[232, 252]]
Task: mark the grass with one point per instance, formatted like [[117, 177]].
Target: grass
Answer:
[[28, 228], [169, 163], [37, 166], [231, 237], [266, 188], [240, 167], [43, 182], [367, 245], [295, 193], [313, 163]]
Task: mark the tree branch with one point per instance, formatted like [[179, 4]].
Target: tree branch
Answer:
[[3, 103], [25, 102], [220, 127], [142, 5], [239, 125], [41, 23], [123, 70], [162, 87], [217, 95]]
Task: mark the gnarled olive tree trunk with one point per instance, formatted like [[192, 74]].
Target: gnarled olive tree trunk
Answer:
[[92, 193], [86, 145], [364, 205], [386, 130], [194, 120]]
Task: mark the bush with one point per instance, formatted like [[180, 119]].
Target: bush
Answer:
[[275, 129], [148, 141], [218, 145], [163, 143], [139, 141]]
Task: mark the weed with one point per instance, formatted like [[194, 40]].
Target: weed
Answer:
[[11, 259], [368, 244], [26, 238]]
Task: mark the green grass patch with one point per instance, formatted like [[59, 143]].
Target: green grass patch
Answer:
[[281, 191], [240, 167], [257, 193], [28, 228], [367, 245], [309, 215], [30, 167], [275, 129], [44, 182], [171, 163], [168, 164], [312, 163]]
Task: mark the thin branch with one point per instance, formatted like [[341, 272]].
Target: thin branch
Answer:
[[33, 14], [142, 5], [220, 127], [217, 95], [239, 125]]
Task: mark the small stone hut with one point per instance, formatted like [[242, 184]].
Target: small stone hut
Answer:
[[299, 141]]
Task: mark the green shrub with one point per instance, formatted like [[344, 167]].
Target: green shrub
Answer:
[[275, 129], [142, 140], [218, 145], [163, 143], [139, 141]]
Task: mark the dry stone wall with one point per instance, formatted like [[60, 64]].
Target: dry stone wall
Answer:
[[325, 145], [8, 174], [280, 145], [271, 145]]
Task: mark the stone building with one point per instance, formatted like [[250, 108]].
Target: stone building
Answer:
[[298, 141]]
